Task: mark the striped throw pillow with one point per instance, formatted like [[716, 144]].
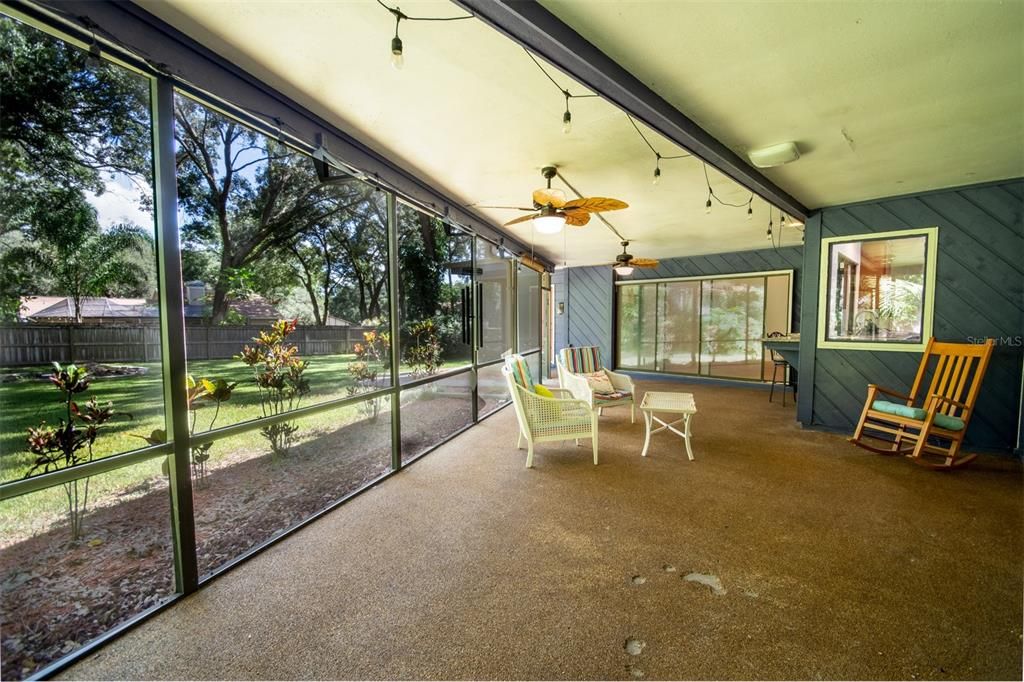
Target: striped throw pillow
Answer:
[[582, 360], [520, 371]]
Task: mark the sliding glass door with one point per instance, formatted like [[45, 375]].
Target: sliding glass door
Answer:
[[703, 326]]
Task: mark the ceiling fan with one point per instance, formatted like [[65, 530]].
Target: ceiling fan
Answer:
[[551, 212], [625, 262]]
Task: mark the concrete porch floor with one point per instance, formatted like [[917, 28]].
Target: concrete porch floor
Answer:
[[835, 563]]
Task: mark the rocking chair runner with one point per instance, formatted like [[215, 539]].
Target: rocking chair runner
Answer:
[[938, 425]]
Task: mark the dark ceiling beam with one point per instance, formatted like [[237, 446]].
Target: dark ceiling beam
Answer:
[[544, 34]]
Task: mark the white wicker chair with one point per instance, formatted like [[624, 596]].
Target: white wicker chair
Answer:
[[575, 361], [543, 419]]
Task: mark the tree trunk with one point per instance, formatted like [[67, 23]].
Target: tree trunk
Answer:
[[220, 298]]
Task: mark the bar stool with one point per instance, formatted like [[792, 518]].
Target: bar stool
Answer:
[[779, 362]]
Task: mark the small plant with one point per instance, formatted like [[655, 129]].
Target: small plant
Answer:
[[210, 390], [278, 371], [365, 370], [424, 352], [70, 443]]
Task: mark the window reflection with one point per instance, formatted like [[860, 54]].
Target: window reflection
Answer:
[[876, 289]]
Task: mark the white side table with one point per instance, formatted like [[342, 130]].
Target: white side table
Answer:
[[672, 403]]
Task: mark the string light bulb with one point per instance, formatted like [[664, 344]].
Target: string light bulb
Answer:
[[397, 58], [567, 120], [750, 209], [707, 206], [657, 174]]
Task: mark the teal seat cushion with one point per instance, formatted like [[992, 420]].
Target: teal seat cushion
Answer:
[[943, 421]]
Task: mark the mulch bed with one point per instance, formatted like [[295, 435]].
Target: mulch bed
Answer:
[[58, 595]]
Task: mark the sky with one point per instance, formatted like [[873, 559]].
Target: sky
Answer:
[[120, 203]]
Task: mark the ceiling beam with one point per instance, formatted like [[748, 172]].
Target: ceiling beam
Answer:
[[544, 34]]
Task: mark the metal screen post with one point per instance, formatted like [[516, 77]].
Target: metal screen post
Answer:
[[172, 330], [396, 351]]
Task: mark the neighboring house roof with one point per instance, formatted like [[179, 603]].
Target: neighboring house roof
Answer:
[[335, 321], [93, 307], [255, 308], [31, 305]]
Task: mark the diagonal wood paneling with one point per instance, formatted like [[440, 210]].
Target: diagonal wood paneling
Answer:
[[979, 293]]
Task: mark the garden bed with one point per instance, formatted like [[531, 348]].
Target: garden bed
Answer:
[[57, 595]]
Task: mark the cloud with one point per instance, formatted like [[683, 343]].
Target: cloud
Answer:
[[120, 203]]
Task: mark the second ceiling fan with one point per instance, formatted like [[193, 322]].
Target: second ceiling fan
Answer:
[[551, 211]]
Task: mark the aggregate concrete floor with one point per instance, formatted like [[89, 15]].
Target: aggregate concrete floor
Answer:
[[833, 563]]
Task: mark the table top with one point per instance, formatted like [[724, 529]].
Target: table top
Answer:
[[668, 401]]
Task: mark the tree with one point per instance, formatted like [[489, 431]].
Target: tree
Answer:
[[341, 261], [65, 121], [71, 256], [64, 124], [247, 197]]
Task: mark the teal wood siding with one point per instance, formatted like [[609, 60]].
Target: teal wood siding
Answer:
[[590, 309], [979, 293]]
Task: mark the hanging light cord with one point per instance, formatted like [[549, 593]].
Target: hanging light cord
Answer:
[[712, 195], [650, 146], [564, 91], [400, 15]]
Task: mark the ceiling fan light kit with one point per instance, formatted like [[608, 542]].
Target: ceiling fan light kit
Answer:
[[549, 221], [775, 155], [623, 270]]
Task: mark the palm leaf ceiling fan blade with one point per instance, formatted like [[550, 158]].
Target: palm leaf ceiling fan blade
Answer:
[[522, 219], [595, 204], [644, 262], [577, 219]]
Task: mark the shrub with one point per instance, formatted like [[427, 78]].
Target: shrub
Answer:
[[423, 354], [70, 443], [365, 370], [278, 371]]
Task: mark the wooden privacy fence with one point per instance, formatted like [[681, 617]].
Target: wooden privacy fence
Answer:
[[41, 344]]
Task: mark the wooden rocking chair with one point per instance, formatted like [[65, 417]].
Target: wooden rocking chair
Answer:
[[937, 426]]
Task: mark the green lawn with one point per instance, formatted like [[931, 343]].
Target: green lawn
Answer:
[[26, 403]]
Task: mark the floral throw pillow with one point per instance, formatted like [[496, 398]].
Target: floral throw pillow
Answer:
[[599, 383]]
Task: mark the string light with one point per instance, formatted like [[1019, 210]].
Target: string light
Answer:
[[397, 58], [770, 225], [750, 208], [397, 53], [657, 155], [567, 116]]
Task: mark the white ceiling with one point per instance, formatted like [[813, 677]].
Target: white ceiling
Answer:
[[883, 98], [926, 96]]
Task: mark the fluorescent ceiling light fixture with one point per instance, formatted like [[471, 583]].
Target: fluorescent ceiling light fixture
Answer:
[[775, 155]]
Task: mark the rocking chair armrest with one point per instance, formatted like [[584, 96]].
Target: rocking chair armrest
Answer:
[[938, 398], [889, 392]]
